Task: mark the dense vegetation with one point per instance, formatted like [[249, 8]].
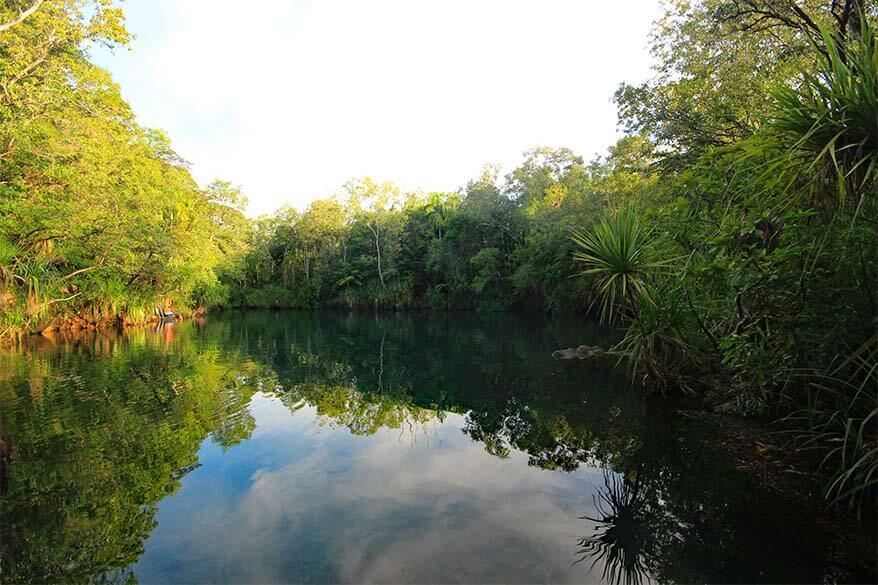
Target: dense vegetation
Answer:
[[732, 232], [99, 218]]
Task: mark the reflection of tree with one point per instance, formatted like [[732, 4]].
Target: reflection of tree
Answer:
[[554, 437], [673, 512], [397, 372], [236, 427], [116, 424], [101, 428], [625, 532], [640, 526], [362, 413]]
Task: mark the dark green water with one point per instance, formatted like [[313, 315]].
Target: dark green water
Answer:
[[323, 448]]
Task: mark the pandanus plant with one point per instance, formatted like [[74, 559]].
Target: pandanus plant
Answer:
[[828, 122], [9, 253], [617, 255]]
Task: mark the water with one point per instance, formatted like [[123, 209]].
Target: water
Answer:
[[321, 448]]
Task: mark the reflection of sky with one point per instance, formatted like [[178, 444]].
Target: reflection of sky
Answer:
[[303, 502]]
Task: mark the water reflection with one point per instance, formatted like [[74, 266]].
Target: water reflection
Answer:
[[624, 534], [166, 329], [266, 447]]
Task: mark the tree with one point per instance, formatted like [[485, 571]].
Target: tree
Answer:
[[107, 216], [712, 78]]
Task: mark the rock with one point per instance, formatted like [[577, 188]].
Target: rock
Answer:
[[564, 354], [583, 352]]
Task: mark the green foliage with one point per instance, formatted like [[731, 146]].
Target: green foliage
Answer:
[[99, 217], [839, 422], [773, 225], [616, 252], [272, 296], [828, 120], [716, 63], [490, 247]]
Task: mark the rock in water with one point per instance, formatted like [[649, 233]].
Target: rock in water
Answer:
[[583, 352]]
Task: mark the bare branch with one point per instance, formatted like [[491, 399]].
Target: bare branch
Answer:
[[21, 16], [80, 271], [53, 301]]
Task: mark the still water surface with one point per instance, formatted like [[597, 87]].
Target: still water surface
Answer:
[[269, 447]]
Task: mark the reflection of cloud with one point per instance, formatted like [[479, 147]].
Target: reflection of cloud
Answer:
[[334, 507]]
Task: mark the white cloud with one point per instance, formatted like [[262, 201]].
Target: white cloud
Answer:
[[290, 99], [376, 509]]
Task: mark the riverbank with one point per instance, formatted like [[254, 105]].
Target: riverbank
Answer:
[[74, 323], [769, 455]]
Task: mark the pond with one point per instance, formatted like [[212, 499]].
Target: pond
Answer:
[[277, 447]]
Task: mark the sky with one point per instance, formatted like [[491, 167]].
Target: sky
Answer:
[[290, 99]]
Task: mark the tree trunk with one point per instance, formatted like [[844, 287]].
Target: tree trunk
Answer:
[[375, 233]]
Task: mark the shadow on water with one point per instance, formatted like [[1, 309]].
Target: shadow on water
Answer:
[[485, 459]]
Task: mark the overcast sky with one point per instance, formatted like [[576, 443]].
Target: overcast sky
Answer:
[[289, 99]]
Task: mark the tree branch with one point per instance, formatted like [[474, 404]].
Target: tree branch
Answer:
[[21, 16], [80, 271], [49, 46], [47, 303]]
